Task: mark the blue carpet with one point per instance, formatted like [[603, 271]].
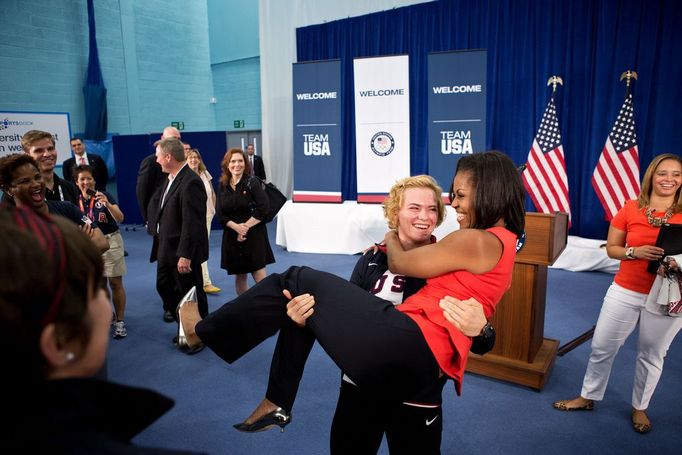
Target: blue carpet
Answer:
[[490, 417]]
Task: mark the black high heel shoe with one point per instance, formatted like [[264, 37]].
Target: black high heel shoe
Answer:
[[182, 343], [279, 417]]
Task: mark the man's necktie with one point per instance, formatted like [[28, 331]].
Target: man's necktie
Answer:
[[83, 160]]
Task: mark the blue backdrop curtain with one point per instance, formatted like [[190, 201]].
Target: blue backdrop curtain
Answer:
[[94, 92], [589, 43]]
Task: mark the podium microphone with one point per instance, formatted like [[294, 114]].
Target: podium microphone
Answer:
[[521, 167]]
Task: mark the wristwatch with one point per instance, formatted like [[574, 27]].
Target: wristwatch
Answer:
[[487, 331], [630, 253]]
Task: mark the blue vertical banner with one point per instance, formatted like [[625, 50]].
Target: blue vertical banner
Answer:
[[457, 110], [318, 142]]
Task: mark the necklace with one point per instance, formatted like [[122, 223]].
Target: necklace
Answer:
[[657, 221]]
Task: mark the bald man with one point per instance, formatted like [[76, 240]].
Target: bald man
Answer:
[[150, 176]]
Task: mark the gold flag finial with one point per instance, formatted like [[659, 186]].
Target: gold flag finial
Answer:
[[553, 81], [628, 75]]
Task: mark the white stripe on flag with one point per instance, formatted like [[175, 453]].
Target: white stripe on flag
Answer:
[[546, 179], [614, 177]]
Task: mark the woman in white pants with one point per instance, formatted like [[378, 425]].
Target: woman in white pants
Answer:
[[195, 163], [632, 237]]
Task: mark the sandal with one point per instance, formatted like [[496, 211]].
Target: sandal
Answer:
[[563, 406], [637, 424]]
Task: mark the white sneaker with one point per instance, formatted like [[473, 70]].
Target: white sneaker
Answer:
[[120, 330]]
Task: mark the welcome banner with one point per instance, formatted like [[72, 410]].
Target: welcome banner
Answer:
[[13, 125], [382, 124], [457, 114], [318, 143]]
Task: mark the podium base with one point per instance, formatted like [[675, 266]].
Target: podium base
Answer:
[[532, 374]]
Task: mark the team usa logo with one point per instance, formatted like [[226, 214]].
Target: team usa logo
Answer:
[[456, 143], [382, 143], [316, 145]]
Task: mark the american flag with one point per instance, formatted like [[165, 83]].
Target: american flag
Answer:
[[616, 177], [545, 174]]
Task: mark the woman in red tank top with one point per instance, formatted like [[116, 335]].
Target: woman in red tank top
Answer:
[[394, 352]]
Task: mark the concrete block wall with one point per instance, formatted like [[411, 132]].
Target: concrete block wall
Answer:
[[43, 56], [154, 57], [237, 90], [173, 64]]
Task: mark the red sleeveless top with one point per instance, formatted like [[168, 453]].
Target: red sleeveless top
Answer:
[[449, 346]]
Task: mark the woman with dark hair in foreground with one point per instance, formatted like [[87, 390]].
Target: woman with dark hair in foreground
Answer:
[[394, 351], [54, 331]]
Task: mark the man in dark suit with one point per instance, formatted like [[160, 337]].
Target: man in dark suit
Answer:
[[80, 156], [256, 162], [150, 176], [180, 240]]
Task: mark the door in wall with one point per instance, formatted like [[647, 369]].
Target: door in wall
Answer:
[[240, 139]]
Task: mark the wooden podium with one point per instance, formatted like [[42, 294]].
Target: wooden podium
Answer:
[[521, 354]]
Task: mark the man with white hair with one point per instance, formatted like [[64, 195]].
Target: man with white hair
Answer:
[[150, 176]]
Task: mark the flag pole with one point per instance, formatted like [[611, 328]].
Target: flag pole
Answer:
[[628, 75], [544, 172]]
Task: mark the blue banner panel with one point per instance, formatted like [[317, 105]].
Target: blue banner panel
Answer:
[[318, 142], [457, 117]]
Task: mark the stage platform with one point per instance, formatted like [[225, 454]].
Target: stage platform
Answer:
[[346, 228]]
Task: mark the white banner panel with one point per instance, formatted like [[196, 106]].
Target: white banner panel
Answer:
[[13, 125], [382, 124]]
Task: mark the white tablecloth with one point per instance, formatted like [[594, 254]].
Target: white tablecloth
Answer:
[[583, 255], [345, 228]]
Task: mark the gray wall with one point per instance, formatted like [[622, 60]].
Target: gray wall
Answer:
[[235, 62], [155, 59]]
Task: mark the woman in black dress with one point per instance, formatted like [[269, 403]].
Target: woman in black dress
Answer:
[[242, 204]]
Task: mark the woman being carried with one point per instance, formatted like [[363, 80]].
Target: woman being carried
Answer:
[[414, 208], [395, 351]]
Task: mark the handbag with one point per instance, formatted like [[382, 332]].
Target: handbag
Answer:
[[275, 197]]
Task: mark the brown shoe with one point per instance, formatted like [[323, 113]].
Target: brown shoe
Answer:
[[564, 405], [640, 421]]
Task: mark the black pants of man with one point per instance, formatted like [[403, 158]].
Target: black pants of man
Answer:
[[378, 347], [172, 286]]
